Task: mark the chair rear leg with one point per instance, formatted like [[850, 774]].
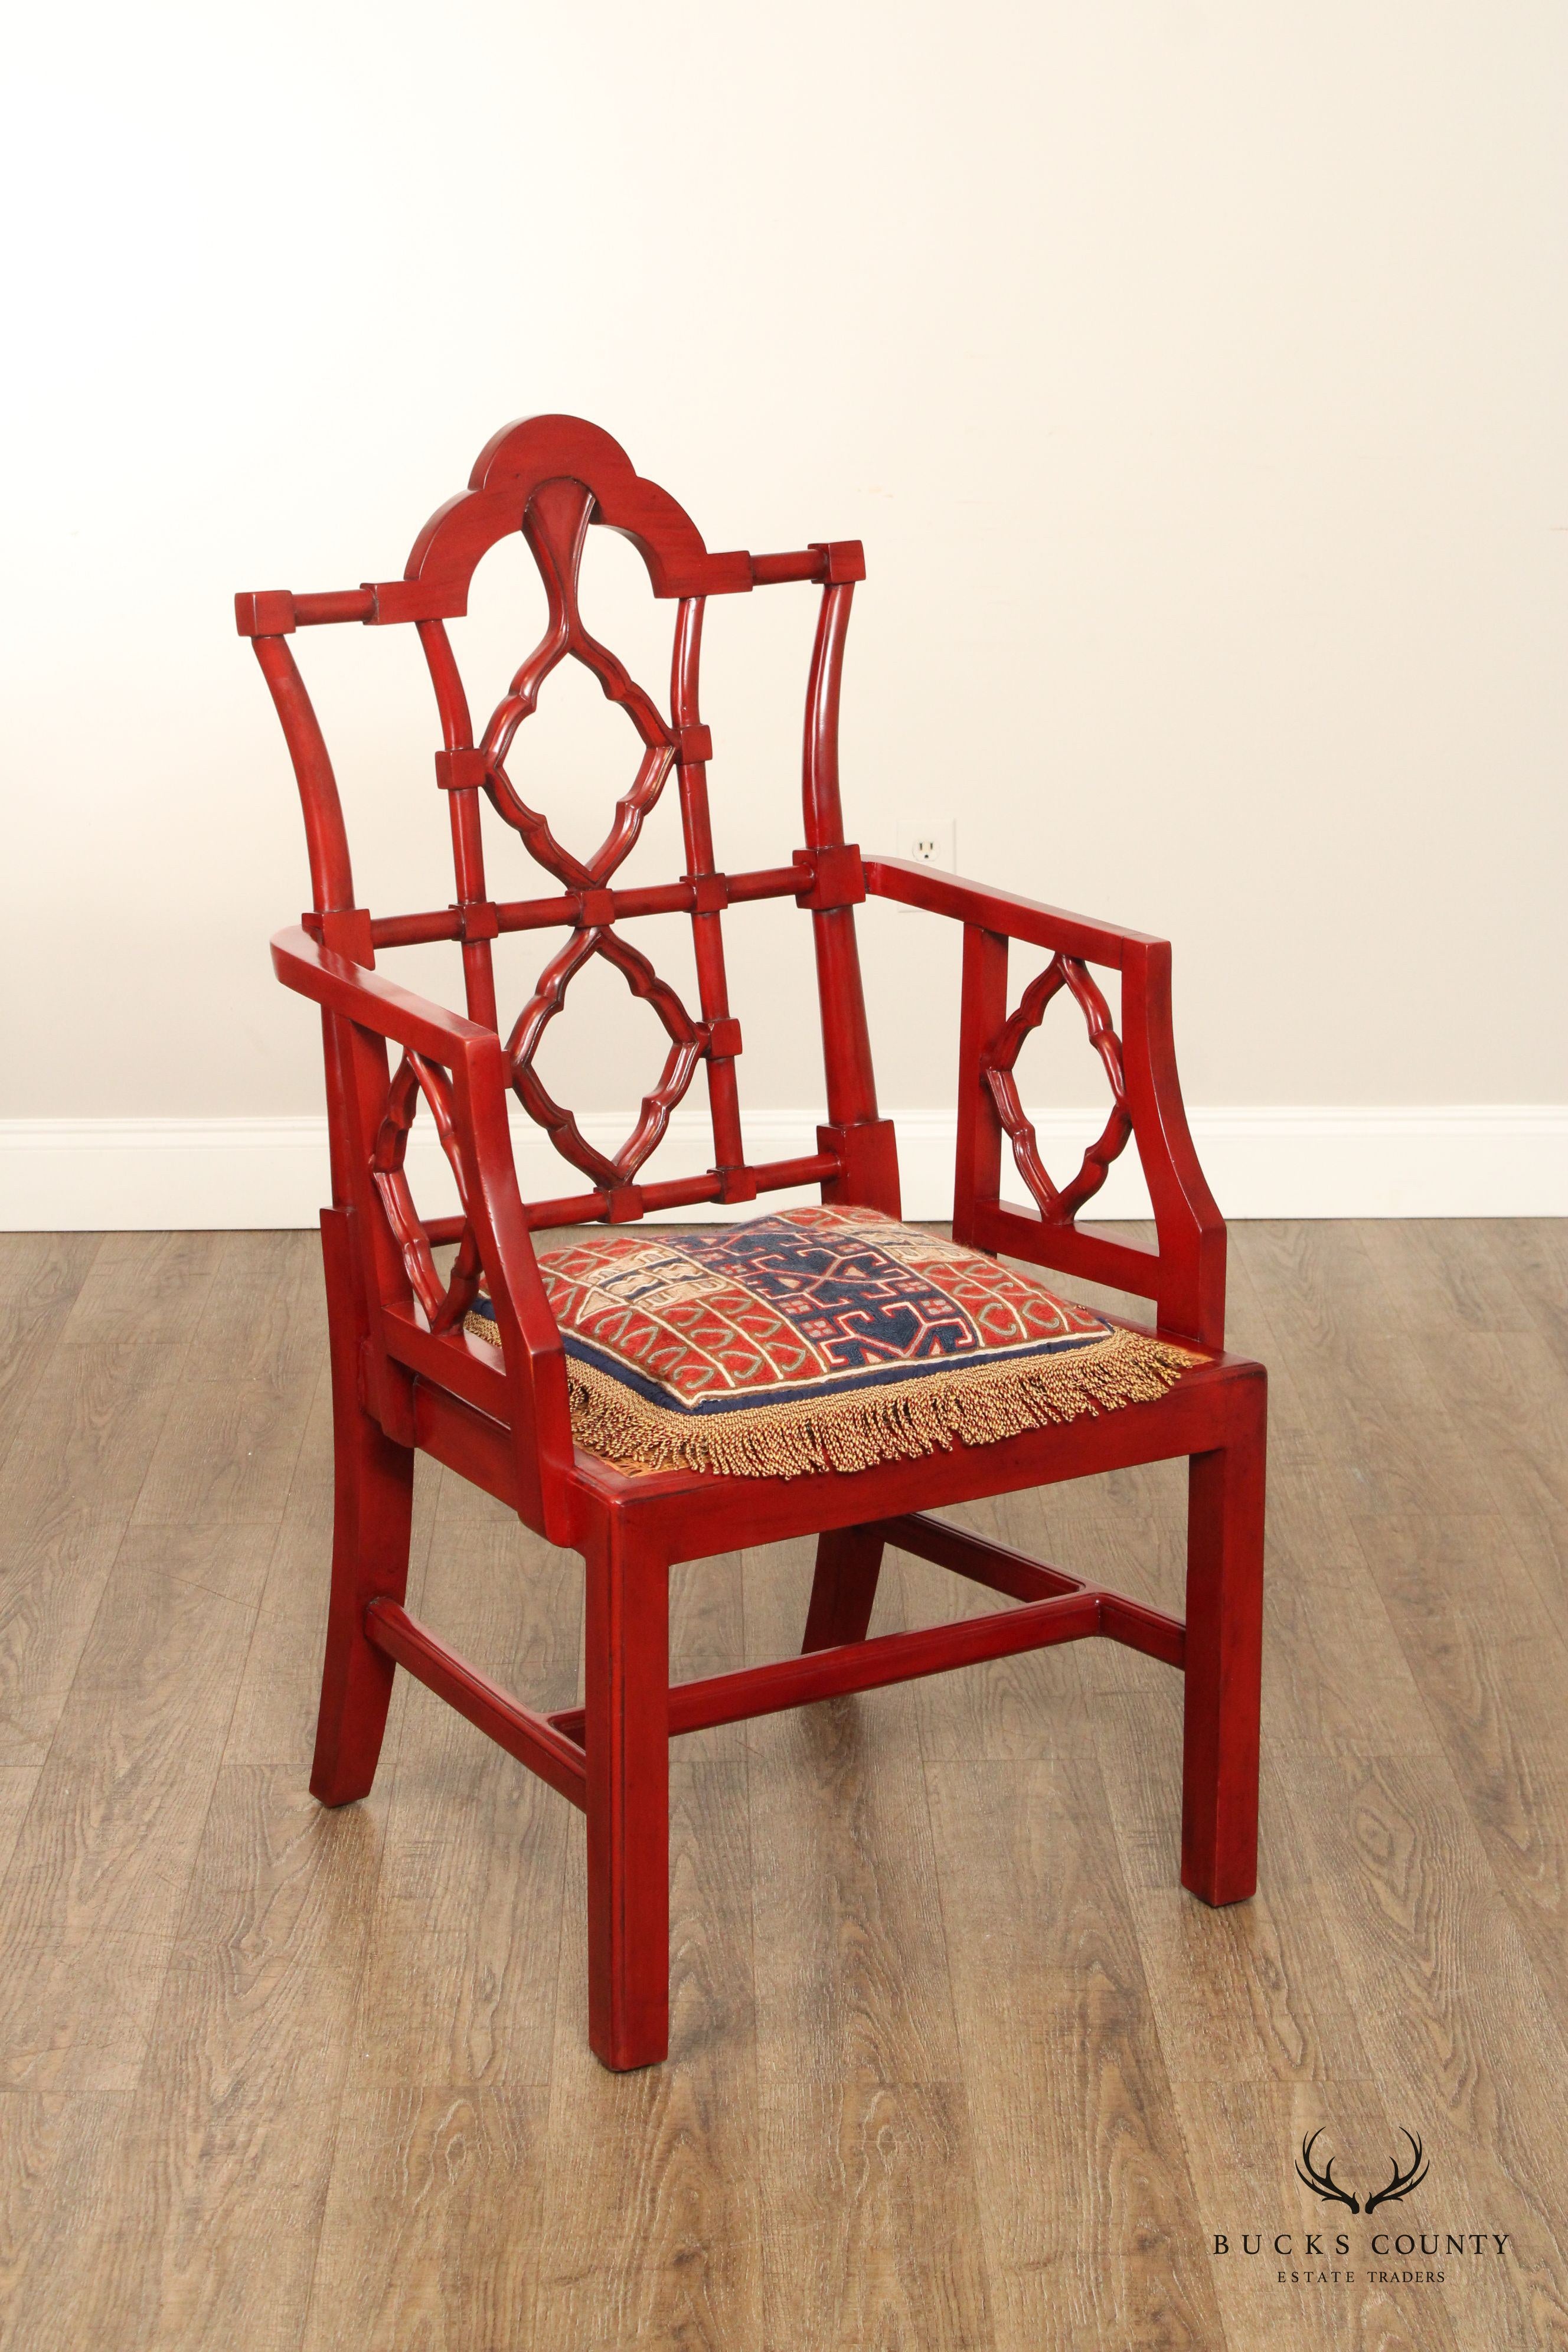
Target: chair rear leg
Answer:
[[626, 1733], [1224, 1655], [372, 1513], [844, 1589]]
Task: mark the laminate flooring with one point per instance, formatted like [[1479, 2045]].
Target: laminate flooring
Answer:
[[956, 2062]]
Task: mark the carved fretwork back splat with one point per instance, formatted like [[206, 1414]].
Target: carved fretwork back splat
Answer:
[[555, 521], [554, 478], [555, 524]]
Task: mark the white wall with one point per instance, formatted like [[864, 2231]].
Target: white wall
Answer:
[[1193, 372]]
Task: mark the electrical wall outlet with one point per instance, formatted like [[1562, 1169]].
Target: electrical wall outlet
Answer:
[[930, 840]]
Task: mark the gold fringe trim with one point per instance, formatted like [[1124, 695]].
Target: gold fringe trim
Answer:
[[975, 1405]]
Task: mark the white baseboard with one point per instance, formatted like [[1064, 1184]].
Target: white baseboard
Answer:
[[1475, 1160]]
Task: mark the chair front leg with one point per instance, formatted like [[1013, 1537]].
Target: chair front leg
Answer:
[[626, 1732], [372, 1515], [844, 1589], [1223, 1657]]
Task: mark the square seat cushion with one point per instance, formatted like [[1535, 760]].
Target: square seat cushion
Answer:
[[820, 1339]]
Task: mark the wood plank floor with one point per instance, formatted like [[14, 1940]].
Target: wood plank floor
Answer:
[[955, 2062]]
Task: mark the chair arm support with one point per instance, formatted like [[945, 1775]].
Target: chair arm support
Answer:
[[1189, 1228], [1003, 911]]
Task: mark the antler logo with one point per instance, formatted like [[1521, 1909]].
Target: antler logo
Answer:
[[1400, 2184], [1323, 2184]]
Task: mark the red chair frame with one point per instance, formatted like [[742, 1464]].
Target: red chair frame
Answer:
[[406, 1375]]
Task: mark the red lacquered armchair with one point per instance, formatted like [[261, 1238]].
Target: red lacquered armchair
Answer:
[[644, 1399]]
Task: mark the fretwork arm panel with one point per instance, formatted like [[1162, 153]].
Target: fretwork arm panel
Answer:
[[1184, 1273], [551, 479]]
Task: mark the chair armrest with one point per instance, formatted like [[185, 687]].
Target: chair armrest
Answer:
[[376, 1002], [1003, 911]]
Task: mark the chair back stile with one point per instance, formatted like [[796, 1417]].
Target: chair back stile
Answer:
[[342, 928], [862, 1142], [463, 808]]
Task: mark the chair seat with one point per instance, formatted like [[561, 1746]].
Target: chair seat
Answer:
[[821, 1338]]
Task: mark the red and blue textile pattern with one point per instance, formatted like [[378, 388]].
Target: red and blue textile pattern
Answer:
[[809, 1309]]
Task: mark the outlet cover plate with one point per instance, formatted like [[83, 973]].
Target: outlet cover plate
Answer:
[[928, 840]]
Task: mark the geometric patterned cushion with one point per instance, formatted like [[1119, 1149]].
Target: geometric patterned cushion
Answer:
[[820, 1339]]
